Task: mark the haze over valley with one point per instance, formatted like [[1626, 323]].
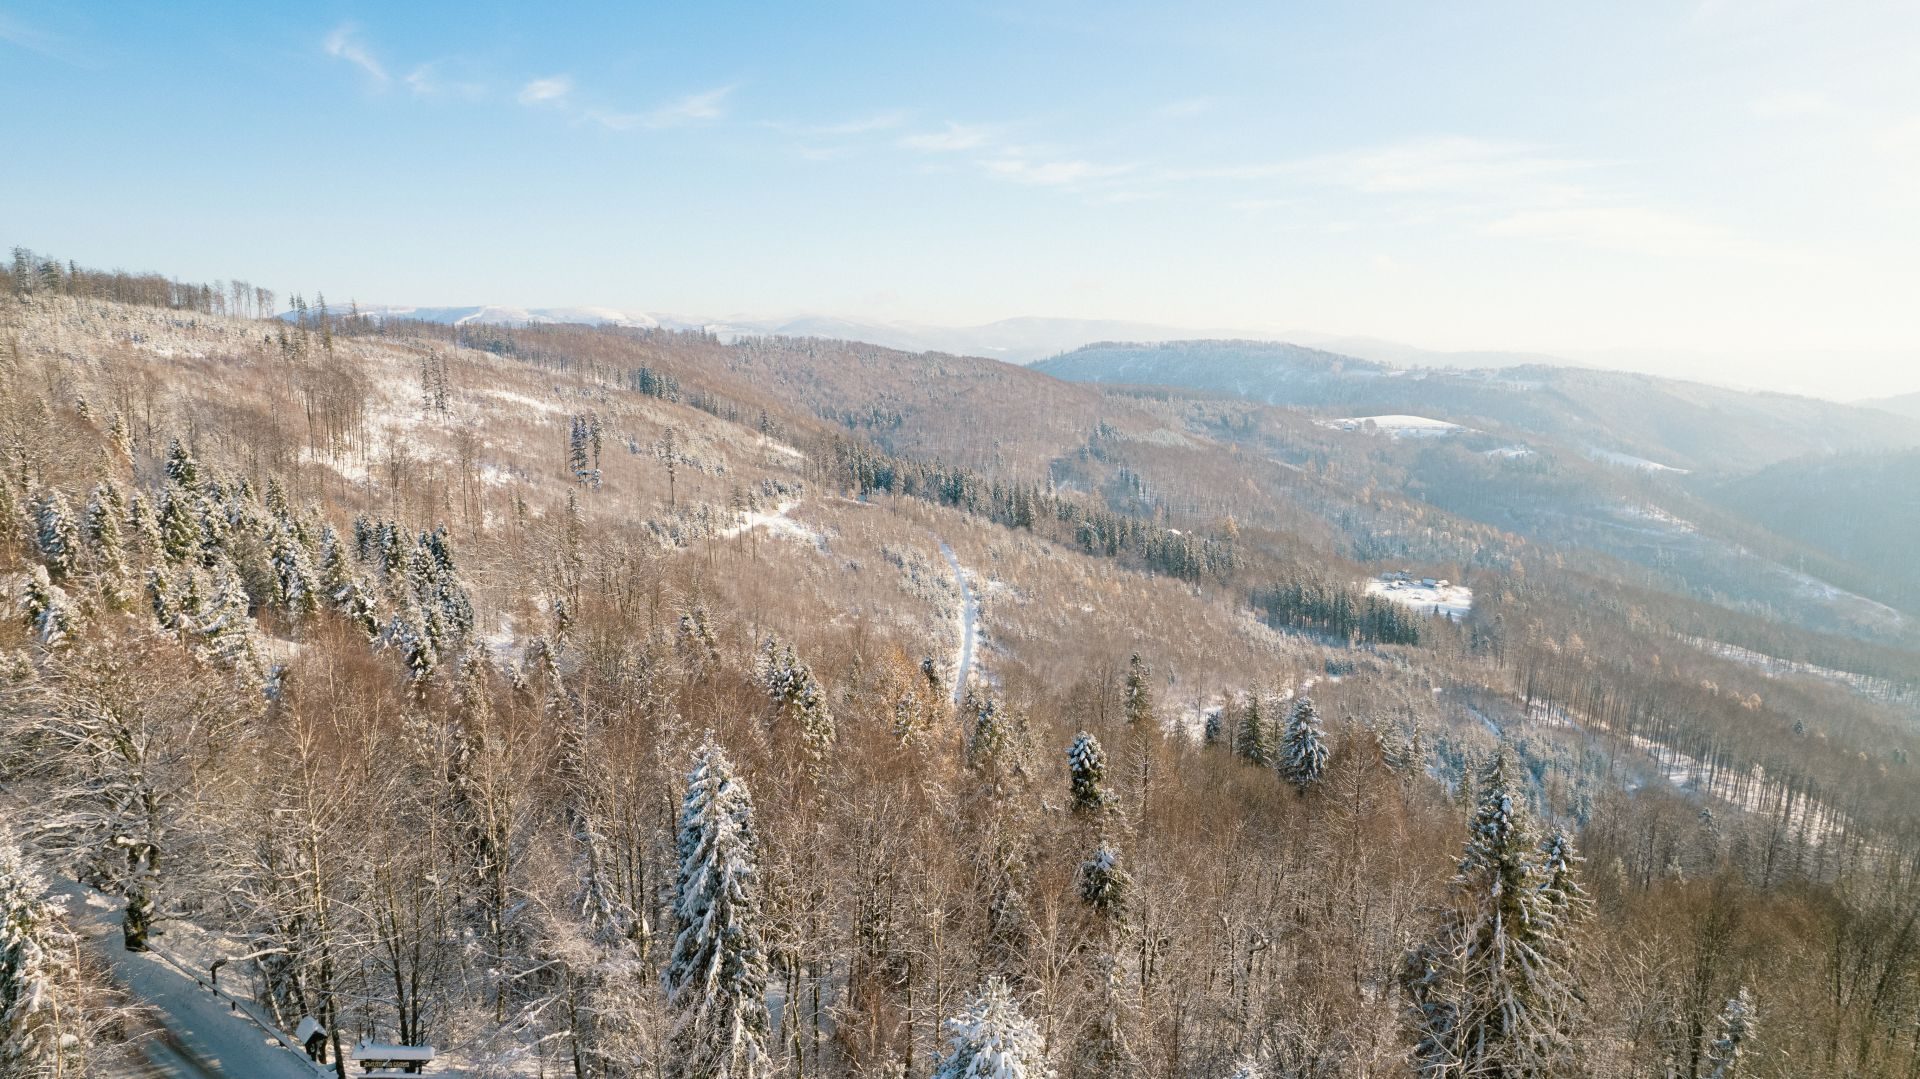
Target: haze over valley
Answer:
[[1194, 682]]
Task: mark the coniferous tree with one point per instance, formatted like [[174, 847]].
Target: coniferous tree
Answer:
[[224, 633], [1253, 736], [1087, 772], [716, 975], [1303, 746], [1560, 882], [407, 633], [296, 588], [55, 534], [996, 737], [45, 609], [992, 1039], [1103, 883], [1734, 1030], [143, 525], [182, 470], [100, 526], [799, 702], [1491, 995], [1139, 695]]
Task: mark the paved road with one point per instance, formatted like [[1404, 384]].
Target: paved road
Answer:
[[198, 1036]]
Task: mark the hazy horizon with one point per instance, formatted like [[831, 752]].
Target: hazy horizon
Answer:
[[1713, 191]]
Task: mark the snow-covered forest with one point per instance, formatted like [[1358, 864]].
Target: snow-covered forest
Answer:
[[613, 701]]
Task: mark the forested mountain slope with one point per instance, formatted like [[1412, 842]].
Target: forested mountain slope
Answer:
[[1860, 508], [582, 701]]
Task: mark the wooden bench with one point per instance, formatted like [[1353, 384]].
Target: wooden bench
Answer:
[[379, 1060]]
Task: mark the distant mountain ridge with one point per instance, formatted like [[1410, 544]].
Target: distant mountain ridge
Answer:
[[500, 315], [1906, 404], [1682, 425]]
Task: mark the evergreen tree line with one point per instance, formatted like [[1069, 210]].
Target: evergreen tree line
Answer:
[[1070, 520], [1340, 610]]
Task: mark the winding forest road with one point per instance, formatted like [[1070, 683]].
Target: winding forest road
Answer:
[[969, 620], [198, 1036]]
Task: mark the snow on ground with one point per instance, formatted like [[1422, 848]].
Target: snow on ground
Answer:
[[1507, 452], [776, 523], [1396, 426], [354, 471], [1774, 667], [780, 448], [1627, 460], [1452, 600], [1657, 516], [966, 625], [523, 400], [1689, 773]]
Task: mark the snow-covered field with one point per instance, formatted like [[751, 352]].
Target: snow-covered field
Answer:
[[1453, 600], [1627, 460], [1396, 426]]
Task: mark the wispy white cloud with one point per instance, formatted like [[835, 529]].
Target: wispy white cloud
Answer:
[[427, 80], [708, 105], [344, 44], [870, 124], [1632, 229], [1051, 173], [17, 33], [954, 138], [553, 91]]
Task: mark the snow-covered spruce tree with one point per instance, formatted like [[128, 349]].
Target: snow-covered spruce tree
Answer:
[[1734, 1030], [1491, 995], [224, 634], [296, 587], [45, 609], [120, 437], [697, 643], [992, 1039], [43, 1032], [1253, 735], [143, 525], [996, 738], [1087, 773], [100, 526], [1139, 695], [1103, 883], [1303, 746], [179, 524], [407, 634], [1559, 880], [716, 976], [55, 534], [182, 469], [1213, 728], [799, 702]]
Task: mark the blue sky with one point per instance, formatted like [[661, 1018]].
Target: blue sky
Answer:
[[1731, 181]]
